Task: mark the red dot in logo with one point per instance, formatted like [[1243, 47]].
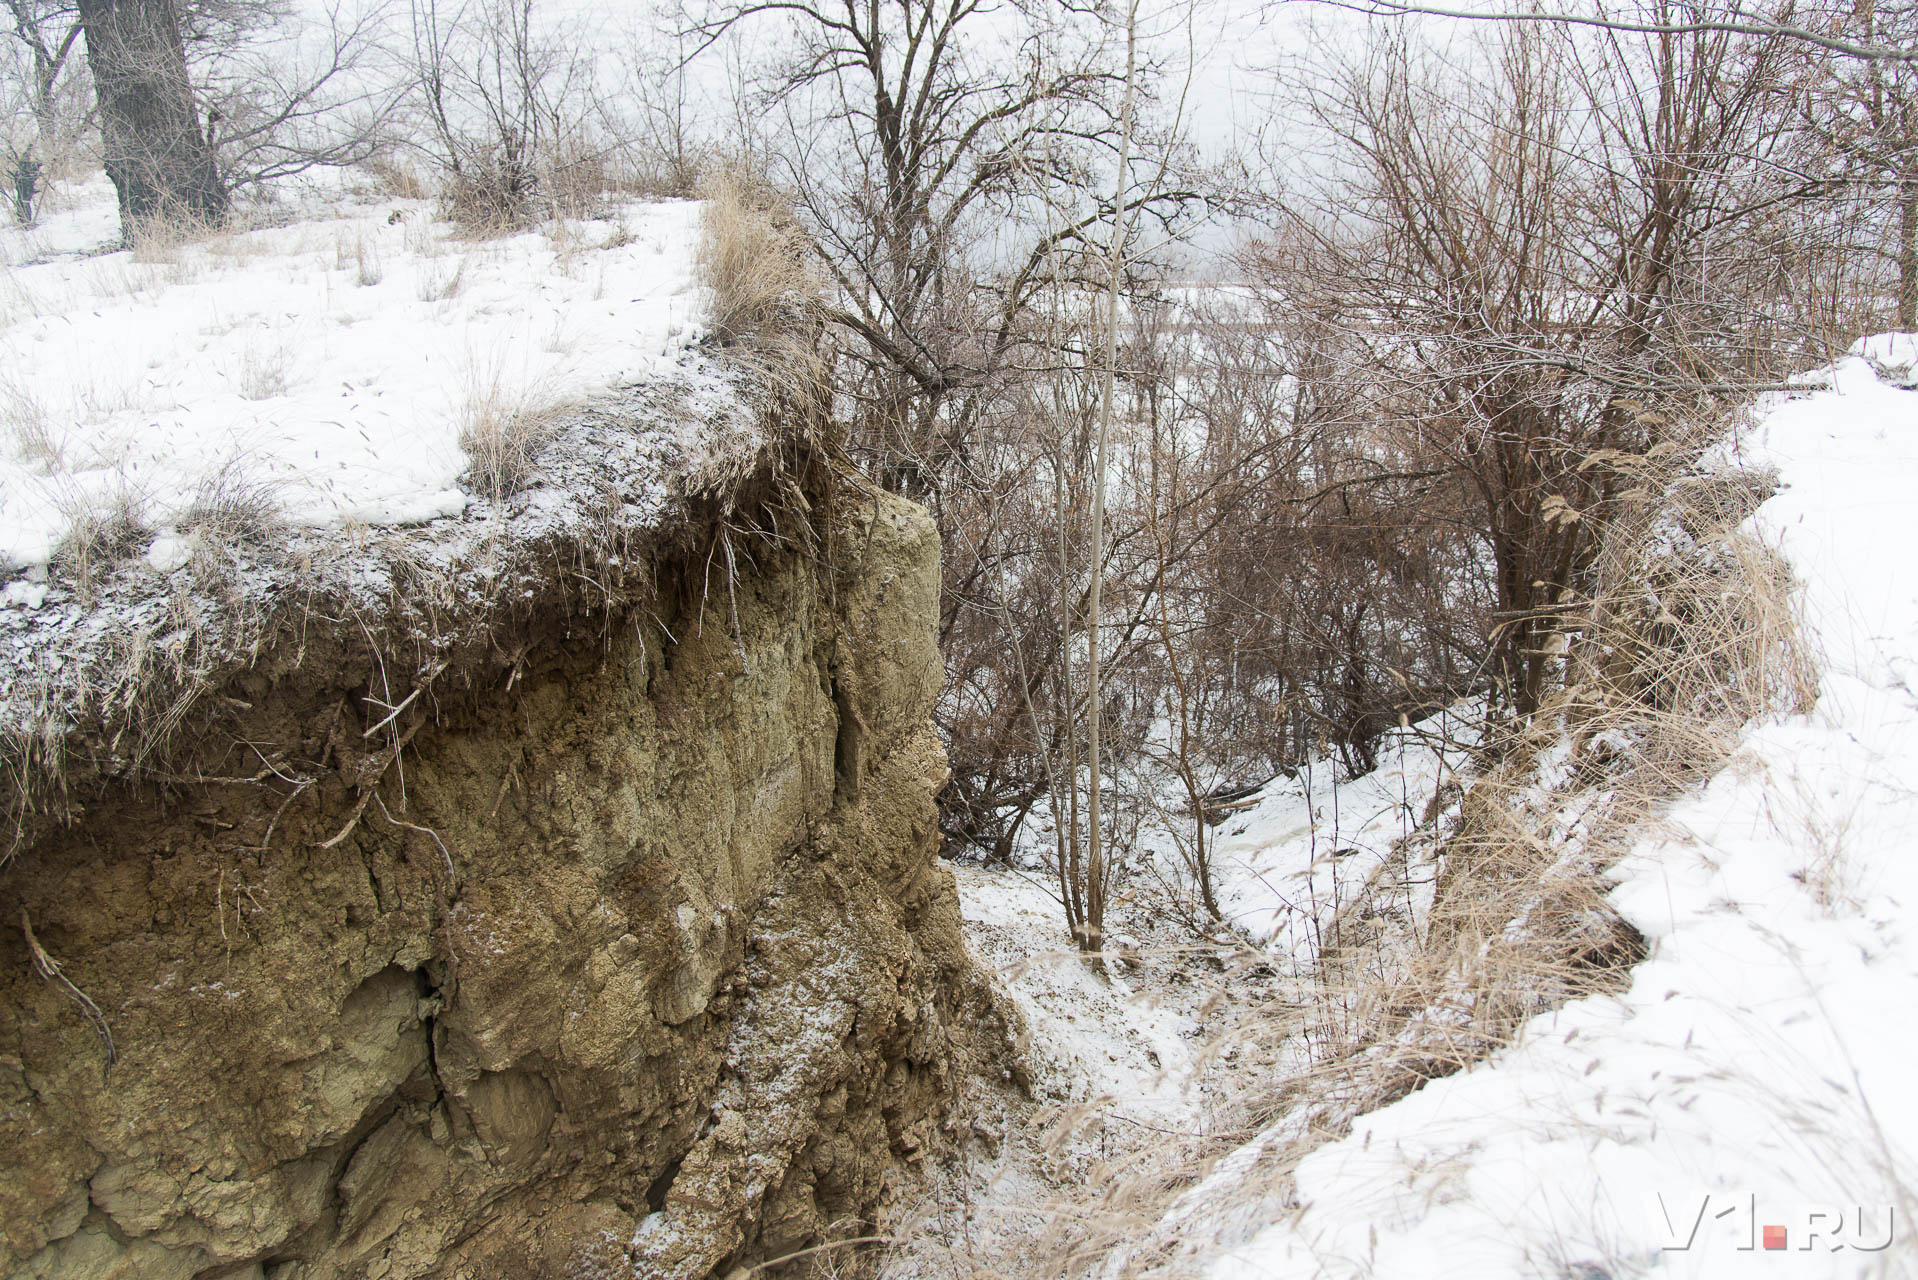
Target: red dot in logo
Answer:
[[1774, 1237]]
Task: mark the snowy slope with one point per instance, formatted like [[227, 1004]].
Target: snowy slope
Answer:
[[333, 360], [1758, 1073], [1287, 862]]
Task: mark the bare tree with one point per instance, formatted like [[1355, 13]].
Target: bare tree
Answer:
[[153, 143], [283, 97], [919, 137], [508, 106], [48, 31], [1862, 115], [1522, 272]]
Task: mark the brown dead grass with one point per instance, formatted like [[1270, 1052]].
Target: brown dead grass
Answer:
[[103, 530], [752, 260], [503, 428]]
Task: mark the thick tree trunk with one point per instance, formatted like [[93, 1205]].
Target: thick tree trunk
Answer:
[[156, 152]]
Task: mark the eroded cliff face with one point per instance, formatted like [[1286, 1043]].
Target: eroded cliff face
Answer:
[[654, 973]]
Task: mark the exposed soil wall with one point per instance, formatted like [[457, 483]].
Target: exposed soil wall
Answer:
[[636, 960]]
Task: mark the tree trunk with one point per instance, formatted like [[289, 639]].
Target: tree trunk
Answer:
[[1908, 253], [1092, 938], [159, 158]]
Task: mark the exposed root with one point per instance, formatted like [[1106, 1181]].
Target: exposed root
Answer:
[[49, 969]]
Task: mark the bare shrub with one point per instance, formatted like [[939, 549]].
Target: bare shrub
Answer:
[[1436, 344], [574, 177], [512, 114]]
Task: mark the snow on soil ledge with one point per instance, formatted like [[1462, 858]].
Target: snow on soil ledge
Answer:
[[1746, 1107], [353, 442], [333, 360]]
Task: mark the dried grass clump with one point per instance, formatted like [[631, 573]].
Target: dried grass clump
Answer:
[[752, 261], [103, 530], [511, 186], [28, 426], [436, 284], [505, 190], [400, 181], [490, 197], [165, 247], [233, 507], [263, 372], [502, 431], [574, 179]]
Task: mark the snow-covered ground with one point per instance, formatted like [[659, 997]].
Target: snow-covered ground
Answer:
[[1301, 847], [1108, 1066], [1746, 1107], [333, 360]]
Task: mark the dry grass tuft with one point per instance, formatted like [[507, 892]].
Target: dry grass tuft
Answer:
[[362, 258], [232, 508], [503, 428], [159, 241], [574, 180], [262, 374], [102, 531], [28, 426], [438, 284], [400, 181], [752, 260]]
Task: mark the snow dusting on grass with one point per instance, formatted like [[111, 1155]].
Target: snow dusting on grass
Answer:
[[344, 364], [354, 412]]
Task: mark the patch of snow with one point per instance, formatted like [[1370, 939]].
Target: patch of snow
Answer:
[[1091, 1037], [1289, 859], [332, 362], [24, 595]]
